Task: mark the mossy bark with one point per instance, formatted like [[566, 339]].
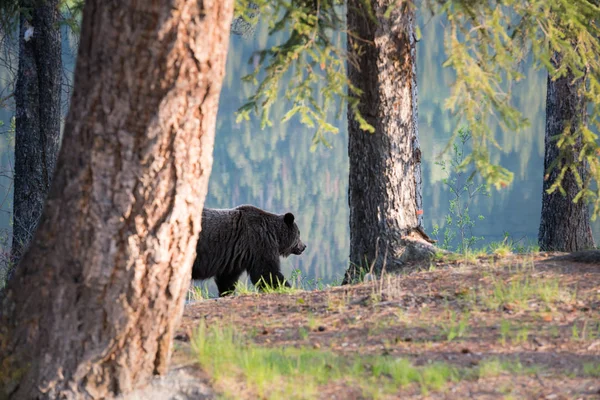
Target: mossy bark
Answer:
[[385, 166], [564, 225]]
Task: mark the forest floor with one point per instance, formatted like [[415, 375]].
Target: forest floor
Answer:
[[520, 326]]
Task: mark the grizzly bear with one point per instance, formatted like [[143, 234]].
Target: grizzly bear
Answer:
[[245, 238]]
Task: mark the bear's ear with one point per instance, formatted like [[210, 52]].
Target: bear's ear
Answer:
[[288, 219]]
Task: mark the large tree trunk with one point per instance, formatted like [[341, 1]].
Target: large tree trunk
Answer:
[[564, 225], [385, 167], [90, 312], [37, 134]]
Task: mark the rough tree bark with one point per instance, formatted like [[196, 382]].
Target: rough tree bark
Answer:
[[564, 225], [37, 101], [91, 310], [385, 167]]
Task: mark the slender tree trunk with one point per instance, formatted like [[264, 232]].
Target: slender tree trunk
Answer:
[[37, 134], [564, 225], [385, 167], [91, 310]]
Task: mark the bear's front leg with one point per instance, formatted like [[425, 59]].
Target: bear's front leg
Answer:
[[267, 273], [226, 283]]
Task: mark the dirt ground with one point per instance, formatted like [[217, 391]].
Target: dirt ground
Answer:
[[538, 316]]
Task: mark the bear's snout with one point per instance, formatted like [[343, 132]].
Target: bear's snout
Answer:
[[299, 249]]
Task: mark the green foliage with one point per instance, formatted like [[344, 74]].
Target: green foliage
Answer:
[[307, 68], [71, 11], [463, 189], [486, 42]]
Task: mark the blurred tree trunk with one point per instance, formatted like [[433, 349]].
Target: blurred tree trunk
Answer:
[[564, 225], [37, 133], [91, 310], [385, 167]]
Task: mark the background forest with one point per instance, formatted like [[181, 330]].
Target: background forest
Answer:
[[275, 169]]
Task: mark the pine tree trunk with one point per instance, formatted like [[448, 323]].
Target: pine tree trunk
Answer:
[[91, 310], [564, 225], [385, 167], [37, 134]]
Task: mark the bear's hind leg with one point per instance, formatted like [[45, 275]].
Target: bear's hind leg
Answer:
[[226, 283]]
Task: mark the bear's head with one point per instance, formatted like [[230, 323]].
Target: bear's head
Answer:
[[289, 239]]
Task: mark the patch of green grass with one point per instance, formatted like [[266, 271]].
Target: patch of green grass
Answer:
[[303, 333], [508, 246], [436, 375], [294, 373], [591, 369], [521, 335], [454, 327], [523, 289], [574, 332], [243, 288], [504, 331], [589, 331], [490, 368], [494, 367], [501, 249], [517, 334], [198, 292], [472, 256], [278, 289]]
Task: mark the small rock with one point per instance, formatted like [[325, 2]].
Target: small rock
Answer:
[[316, 346]]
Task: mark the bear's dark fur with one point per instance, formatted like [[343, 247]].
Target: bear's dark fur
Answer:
[[244, 238]]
